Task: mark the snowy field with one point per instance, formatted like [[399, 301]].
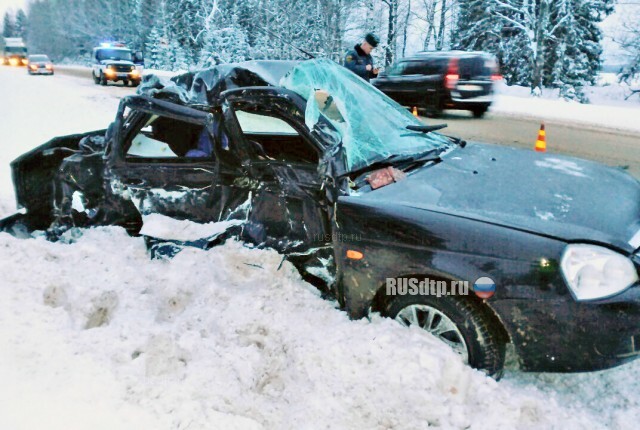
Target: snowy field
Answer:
[[95, 335], [607, 109]]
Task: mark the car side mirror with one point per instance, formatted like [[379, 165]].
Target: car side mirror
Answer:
[[138, 58]]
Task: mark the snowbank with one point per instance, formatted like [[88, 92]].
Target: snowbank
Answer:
[[96, 335], [608, 109]]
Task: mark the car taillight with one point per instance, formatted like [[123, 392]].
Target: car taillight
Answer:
[[49, 67], [453, 75], [496, 77]]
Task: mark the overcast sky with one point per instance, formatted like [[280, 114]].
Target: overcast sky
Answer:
[[11, 4]]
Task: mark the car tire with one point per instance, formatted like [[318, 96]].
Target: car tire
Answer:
[[479, 112], [125, 82], [434, 110], [96, 79], [473, 330], [103, 79]]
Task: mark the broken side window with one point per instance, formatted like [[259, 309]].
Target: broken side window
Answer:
[[168, 138], [272, 138]]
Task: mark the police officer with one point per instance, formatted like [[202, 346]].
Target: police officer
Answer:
[[359, 59]]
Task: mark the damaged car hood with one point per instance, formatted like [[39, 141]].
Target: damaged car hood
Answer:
[[546, 194]]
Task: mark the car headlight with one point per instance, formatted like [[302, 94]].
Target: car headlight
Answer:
[[109, 67], [133, 67], [593, 272]]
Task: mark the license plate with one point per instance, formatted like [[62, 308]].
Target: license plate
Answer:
[[470, 88]]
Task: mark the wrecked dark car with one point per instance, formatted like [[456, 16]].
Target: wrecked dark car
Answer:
[[308, 159]]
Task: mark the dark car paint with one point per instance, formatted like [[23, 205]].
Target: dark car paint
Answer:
[[469, 215], [427, 89]]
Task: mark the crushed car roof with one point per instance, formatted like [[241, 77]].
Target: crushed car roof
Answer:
[[371, 125], [204, 87]]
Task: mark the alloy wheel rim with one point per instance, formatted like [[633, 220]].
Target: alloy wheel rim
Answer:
[[438, 324]]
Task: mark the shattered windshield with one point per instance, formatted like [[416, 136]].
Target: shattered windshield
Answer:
[[372, 126]]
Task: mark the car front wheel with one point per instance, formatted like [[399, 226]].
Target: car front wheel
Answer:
[[103, 79], [479, 111], [465, 326]]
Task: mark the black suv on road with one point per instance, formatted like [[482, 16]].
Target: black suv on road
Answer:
[[442, 80]]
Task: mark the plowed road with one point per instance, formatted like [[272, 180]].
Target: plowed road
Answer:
[[609, 147]]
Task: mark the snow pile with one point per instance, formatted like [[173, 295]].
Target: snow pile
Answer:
[[607, 110], [163, 227], [96, 335]]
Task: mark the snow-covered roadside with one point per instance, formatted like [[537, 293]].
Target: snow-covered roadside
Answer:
[[607, 111], [34, 109], [222, 339]]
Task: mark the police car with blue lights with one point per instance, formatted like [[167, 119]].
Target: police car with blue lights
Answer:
[[116, 62]]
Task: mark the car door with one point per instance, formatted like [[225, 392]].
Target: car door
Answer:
[[288, 210], [158, 166], [390, 82]]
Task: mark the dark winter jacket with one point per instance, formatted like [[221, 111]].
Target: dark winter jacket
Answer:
[[356, 61]]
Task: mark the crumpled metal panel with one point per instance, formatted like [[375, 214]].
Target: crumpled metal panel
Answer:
[[204, 87]]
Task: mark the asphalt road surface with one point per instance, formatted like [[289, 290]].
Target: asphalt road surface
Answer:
[[610, 147]]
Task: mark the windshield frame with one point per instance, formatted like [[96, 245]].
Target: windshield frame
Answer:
[[375, 125]]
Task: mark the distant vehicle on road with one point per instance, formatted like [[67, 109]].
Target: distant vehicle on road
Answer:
[[115, 62], [39, 65], [438, 80], [14, 52]]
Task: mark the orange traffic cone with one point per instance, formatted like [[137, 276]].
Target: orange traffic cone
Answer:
[[541, 143], [414, 111]]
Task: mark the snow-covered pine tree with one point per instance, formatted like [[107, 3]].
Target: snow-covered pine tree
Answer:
[[227, 44], [185, 25], [568, 71], [8, 25], [477, 27], [180, 60], [153, 56], [630, 43], [147, 12], [21, 24], [531, 36]]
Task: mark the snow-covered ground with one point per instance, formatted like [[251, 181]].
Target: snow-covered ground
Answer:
[[608, 108], [94, 334]]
